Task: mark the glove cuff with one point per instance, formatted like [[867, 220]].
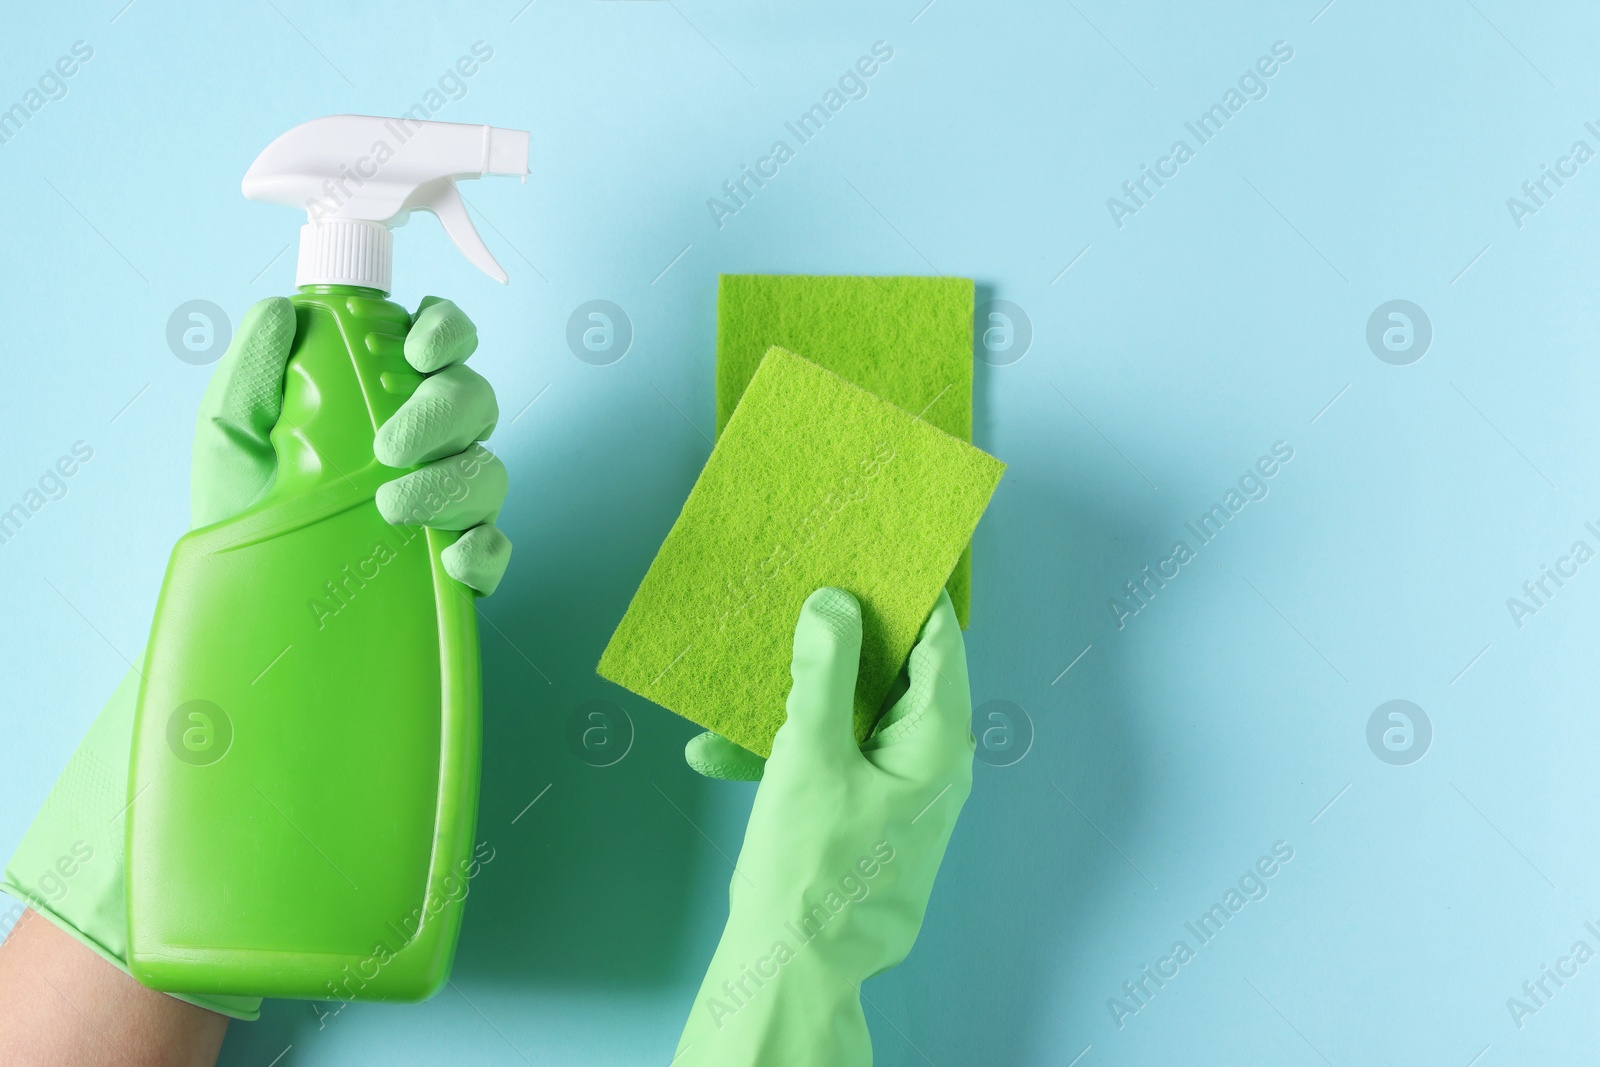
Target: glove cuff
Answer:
[[246, 1009], [775, 1000]]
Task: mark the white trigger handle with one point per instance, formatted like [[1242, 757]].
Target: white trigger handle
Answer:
[[443, 199]]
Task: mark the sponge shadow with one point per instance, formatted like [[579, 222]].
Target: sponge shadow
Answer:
[[1027, 876]]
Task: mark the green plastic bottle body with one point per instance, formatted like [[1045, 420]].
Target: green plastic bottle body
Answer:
[[304, 777]]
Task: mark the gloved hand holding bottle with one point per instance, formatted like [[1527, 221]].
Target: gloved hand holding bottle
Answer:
[[69, 867], [841, 850]]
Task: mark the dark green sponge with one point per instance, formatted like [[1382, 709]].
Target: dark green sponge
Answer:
[[814, 482], [909, 340]]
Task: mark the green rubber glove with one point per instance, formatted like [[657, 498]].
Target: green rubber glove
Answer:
[[841, 850], [715, 756], [69, 865], [461, 485]]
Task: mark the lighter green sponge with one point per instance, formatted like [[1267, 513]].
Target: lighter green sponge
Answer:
[[814, 482], [909, 340]]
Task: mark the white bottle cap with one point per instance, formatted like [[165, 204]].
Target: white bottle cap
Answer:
[[345, 252]]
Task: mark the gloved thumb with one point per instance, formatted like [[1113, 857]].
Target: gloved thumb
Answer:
[[233, 462], [714, 756], [827, 653]]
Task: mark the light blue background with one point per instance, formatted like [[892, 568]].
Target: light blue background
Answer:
[[1223, 317]]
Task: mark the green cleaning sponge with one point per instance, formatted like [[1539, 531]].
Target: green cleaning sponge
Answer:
[[908, 340], [814, 482]]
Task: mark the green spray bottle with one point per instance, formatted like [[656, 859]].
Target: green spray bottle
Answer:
[[316, 843]]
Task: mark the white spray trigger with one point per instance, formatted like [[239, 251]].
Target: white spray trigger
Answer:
[[356, 176], [443, 200]]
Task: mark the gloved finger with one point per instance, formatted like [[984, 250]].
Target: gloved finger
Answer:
[[440, 334], [827, 654], [233, 458], [714, 756], [478, 558], [454, 493], [449, 411], [932, 721]]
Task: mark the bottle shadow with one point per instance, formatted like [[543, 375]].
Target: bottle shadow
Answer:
[[587, 805]]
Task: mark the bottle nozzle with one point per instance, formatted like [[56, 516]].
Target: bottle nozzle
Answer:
[[507, 151], [356, 176]]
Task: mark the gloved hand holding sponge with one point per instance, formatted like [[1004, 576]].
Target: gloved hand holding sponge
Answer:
[[817, 480], [841, 850]]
